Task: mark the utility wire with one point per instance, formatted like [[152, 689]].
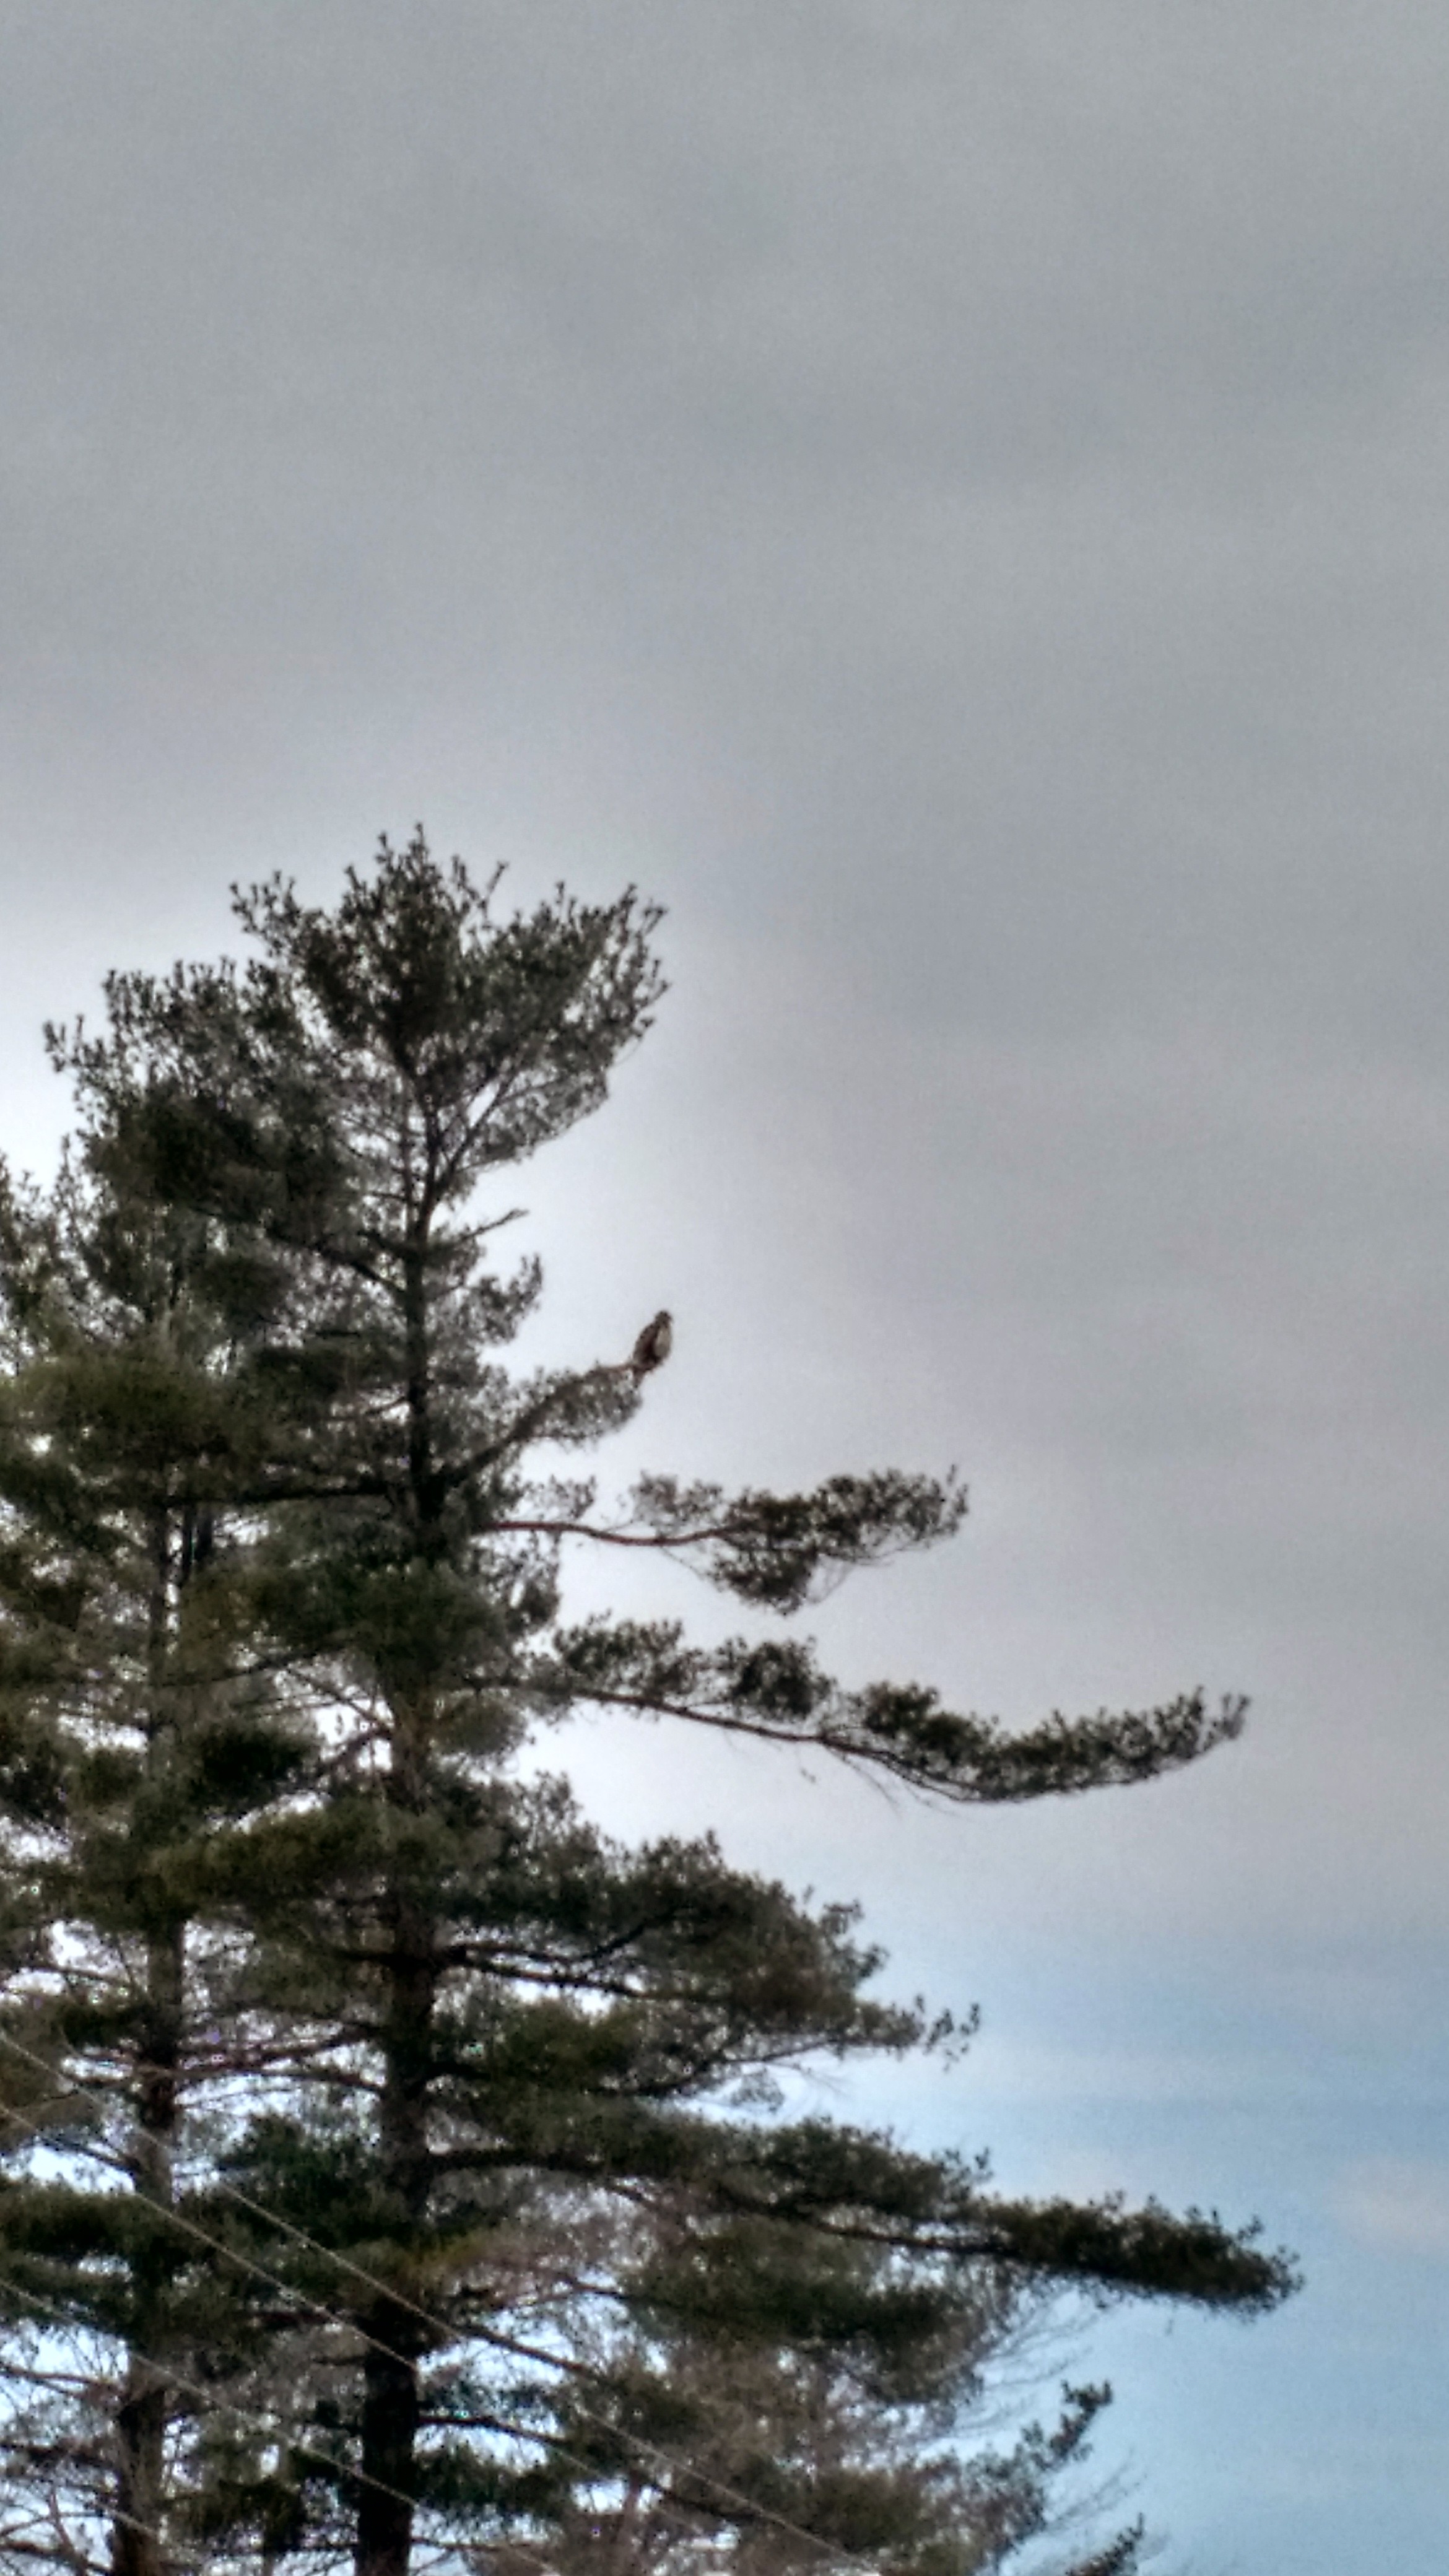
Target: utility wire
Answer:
[[67, 2317], [166, 2370], [449, 2334]]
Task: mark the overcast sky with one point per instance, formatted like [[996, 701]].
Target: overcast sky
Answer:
[[950, 496]]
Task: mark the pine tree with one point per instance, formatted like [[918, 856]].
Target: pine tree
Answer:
[[135, 1741], [509, 2135]]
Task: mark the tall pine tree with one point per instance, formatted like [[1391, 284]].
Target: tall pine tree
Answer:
[[557, 2273], [137, 1739]]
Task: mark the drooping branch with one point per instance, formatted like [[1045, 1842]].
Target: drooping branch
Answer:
[[776, 1690]]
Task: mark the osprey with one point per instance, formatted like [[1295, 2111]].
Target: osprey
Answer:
[[654, 1345]]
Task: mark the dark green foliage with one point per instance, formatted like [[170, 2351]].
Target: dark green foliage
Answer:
[[774, 1687], [138, 1739], [511, 2239]]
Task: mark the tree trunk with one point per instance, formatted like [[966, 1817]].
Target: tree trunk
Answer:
[[389, 2437], [390, 2407], [142, 2415], [391, 2404]]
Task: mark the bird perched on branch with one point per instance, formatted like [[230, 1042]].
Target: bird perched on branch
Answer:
[[654, 1345]]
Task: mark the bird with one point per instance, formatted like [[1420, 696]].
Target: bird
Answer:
[[654, 1345]]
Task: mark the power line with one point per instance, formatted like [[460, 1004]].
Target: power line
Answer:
[[449, 2335], [166, 2370], [193, 2388]]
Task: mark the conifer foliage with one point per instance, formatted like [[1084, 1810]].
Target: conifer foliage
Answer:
[[389, 2159]]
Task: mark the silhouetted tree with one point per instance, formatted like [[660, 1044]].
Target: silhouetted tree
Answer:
[[519, 2238]]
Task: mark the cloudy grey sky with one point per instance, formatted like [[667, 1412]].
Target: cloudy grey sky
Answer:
[[950, 495]]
